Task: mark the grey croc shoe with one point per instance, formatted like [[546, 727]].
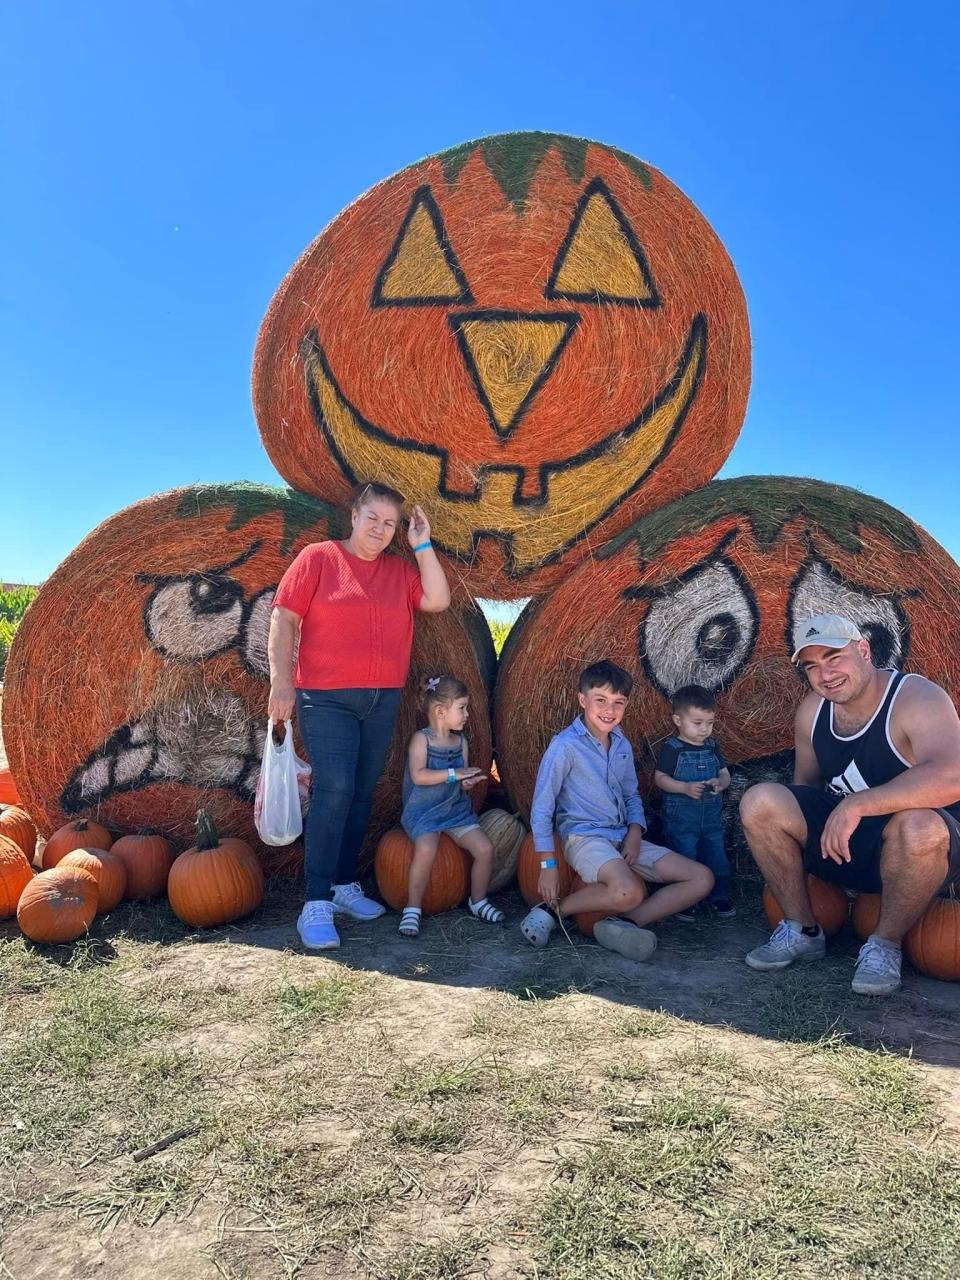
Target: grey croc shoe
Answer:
[[536, 926], [625, 938]]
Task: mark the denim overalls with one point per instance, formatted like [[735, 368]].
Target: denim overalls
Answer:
[[443, 805], [695, 827]]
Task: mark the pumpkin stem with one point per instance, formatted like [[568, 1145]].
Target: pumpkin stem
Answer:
[[207, 836]]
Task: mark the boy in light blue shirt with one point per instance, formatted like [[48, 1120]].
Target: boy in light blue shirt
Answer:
[[587, 794]]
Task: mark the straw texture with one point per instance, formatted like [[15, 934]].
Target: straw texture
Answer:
[[136, 687], [535, 336]]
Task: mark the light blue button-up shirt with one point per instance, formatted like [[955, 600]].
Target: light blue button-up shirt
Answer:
[[583, 789]]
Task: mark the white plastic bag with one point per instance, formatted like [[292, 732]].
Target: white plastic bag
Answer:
[[281, 788]]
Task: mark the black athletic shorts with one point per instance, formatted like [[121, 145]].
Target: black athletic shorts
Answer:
[[862, 872]]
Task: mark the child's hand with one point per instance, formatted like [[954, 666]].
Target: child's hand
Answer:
[[468, 783], [715, 785], [548, 886], [695, 790], [466, 772]]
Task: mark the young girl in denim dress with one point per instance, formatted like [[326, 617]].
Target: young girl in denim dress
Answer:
[[435, 782]]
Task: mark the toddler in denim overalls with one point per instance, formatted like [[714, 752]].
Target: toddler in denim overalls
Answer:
[[692, 775]]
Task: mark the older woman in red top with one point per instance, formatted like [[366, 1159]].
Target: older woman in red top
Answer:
[[352, 608]]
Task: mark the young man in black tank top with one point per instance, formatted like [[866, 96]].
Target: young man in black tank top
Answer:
[[875, 804]]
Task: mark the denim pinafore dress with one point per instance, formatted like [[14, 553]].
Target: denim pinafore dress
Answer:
[[440, 806]]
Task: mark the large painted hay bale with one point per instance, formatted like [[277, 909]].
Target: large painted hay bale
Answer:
[[706, 591], [136, 687], [535, 336]]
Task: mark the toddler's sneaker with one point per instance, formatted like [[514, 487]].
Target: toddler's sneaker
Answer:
[[687, 916], [315, 926], [625, 938], [351, 901], [878, 969], [723, 908], [787, 943]]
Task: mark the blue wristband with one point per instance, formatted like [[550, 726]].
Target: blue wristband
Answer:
[[451, 774], [548, 864], [424, 546]]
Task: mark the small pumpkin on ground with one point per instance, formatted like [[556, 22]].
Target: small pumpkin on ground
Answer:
[[148, 858], [15, 874], [107, 869], [17, 825], [933, 944], [216, 881], [829, 903], [449, 881], [58, 905], [83, 833], [506, 833]]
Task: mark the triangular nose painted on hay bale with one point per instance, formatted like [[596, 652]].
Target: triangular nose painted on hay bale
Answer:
[[136, 688], [707, 591], [536, 337]]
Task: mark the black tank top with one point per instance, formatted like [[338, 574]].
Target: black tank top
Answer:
[[867, 758]]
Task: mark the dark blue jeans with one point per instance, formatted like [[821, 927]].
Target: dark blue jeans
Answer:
[[347, 735], [694, 828]]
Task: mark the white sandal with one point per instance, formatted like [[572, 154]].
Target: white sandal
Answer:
[[410, 922], [486, 911], [536, 926]]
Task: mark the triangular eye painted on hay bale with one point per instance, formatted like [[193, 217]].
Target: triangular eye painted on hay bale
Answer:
[[536, 337], [154, 632], [707, 591]]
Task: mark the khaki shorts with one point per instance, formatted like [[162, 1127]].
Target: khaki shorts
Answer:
[[587, 854], [455, 833]]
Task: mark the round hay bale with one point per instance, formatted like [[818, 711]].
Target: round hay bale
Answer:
[[136, 687], [506, 833], [706, 591], [536, 336]]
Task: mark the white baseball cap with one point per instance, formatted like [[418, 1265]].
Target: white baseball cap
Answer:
[[831, 630]]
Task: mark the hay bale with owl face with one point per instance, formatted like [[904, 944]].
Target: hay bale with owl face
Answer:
[[706, 591], [136, 687], [536, 336]]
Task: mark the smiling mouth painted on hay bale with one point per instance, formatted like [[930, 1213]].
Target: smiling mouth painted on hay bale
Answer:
[[208, 741], [574, 494]]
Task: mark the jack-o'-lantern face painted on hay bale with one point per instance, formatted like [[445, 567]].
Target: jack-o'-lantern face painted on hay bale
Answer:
[[706, 591], [137, 685], [535, 336]]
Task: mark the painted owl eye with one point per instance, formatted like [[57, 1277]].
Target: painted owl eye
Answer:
[[699, 629], [192, 618], [256, 629], [819, 588]]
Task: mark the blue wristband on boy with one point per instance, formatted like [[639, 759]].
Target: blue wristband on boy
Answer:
[[424, 546], [548, 864]]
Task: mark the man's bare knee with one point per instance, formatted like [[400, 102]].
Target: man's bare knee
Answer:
[[920, 833], [769, 803]]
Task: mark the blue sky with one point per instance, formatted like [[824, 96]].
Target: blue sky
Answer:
[[164, 166]]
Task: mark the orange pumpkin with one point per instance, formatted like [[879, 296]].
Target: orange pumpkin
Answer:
[[80, 834], [107, 868], [17, 825], [147, 858], [706, 591], [933, 944], [449, 881], [865, 914], [58, 905], [15, 874], [216, 881], [154, 630], [8, 788], [829, 903], [535, 336]]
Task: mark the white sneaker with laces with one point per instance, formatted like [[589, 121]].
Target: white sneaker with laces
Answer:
[[351, 901], [878, 969], [787, 943], [315, 926]]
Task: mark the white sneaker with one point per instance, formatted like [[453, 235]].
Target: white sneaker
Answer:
[[626, 938], [878, 969], [351, 900], [787, 943], [315, 926]]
